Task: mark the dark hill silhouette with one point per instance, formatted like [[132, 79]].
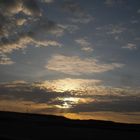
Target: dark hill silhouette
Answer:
[[22, 126]]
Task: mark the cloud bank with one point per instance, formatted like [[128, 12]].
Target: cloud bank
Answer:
[[40, 94]]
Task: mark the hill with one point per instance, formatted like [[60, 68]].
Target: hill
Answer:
[[22, 126]]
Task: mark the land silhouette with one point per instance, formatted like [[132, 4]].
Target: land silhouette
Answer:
[[24, 126]]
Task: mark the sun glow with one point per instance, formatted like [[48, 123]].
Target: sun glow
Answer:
[[69, 102], [68, 84]]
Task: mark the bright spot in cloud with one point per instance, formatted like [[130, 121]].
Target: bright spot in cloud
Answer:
[[68, 84], [69, 102]]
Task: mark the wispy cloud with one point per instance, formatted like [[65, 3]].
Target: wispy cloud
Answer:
[[87, 49], [79, 13], [70, 28], [48, 1], [112, 29], [8, 47], [111, 32], [22, 43], [85, 44], [137, 38], [130, 46], [5, 60], [47, 43], [75, 65], [111, 3], [138, 11], [86, 19]]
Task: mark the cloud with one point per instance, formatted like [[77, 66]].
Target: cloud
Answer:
[[27, 6], [134, 21], [137, 38], [111, 3], [112, 29], [138, 11], [68, 84], [74, 8], [4, 60], [130, 46], [79, 13], [21, 21], [48, 1], [85, 19], [115, 29], [85, 44], [75, 65], [71, 28], [8, 47], [46, 43], [91, 99], [12, 6], [22, 24], [116, 106], [43, 26], [21, 43], [31, 7], [87, 49]]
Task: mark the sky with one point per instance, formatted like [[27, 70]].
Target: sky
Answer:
[[79, 59]]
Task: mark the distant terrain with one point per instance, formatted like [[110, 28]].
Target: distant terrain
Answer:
[[22, 126]]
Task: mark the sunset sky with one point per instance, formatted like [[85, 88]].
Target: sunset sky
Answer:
[[77, 58]]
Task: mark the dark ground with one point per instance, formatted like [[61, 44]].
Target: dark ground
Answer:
[[21, 126]]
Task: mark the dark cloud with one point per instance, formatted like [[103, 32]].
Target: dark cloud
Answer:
[[30, 24], [22, 22], [9, 4], [20, 5], [11, 11], [42, 26], [21, 90], [127, 104], [31, 6]]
